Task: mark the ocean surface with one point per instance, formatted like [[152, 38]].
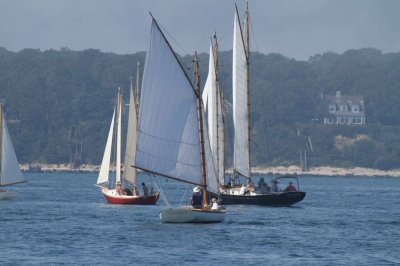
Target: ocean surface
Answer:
[[62, 219]]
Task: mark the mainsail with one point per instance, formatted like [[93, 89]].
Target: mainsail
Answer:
[[213, 107], [10, 172], [105, 164], [168, 141], [241, 154], [130, 149]]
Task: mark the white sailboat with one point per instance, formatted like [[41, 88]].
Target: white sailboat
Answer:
[[172, 136], [10, 173], [118, 194], [235, 194]]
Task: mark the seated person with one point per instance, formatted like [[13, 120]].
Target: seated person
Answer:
[[290, 188], [118, 188], [214, 204], [243, 190], [197, 198]]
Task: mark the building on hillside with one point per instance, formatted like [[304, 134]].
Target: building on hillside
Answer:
[[344, 110]]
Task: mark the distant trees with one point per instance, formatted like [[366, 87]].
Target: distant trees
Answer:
[[51, 93]]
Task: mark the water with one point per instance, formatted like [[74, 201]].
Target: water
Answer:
[[63, 219]]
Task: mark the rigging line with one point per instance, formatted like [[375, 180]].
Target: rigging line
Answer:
[[254, 36], [172, 38]]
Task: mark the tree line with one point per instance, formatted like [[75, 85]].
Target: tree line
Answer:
[[61, 102]]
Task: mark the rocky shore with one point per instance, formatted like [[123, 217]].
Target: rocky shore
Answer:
[[280, 170]]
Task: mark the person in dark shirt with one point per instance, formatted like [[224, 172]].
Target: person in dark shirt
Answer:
[[197, 198]]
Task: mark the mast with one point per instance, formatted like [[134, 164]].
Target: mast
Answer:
[[247, 50], [221, 98], [215, 51], [137, 89], [1, 140], [118, 159], [201, 131]]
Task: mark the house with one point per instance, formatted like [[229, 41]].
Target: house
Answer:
[[345, 110]]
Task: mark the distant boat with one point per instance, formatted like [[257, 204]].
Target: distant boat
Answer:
[[118, 194], [172, 135], [233, 193], [10, 173]]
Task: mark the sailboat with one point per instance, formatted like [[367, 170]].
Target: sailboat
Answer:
[[172, 136], [119, 194], [10, 173], [233, 194]]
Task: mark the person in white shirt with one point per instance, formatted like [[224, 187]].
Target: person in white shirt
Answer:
[[214, 204], [243, 190]]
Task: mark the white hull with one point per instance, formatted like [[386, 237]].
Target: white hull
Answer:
[[7, 195], [191, 215]]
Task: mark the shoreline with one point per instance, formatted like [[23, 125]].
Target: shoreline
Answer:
[[278, 170]]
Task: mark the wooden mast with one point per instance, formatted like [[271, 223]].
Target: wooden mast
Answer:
[[201, 131], [137, 98], [247, 51], [216, 93]]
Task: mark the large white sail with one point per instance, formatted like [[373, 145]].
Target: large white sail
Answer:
[[105, 164], [10, 171], [241, 151], [130, 149], [212, 105], [168, 132]]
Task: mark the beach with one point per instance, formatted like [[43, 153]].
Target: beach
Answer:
[[278, 170]]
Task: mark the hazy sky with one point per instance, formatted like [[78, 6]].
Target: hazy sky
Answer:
[[294, 28]]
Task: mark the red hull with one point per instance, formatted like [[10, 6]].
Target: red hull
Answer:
[[132, 200]]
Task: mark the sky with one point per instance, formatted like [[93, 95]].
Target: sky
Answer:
[[294, 28]]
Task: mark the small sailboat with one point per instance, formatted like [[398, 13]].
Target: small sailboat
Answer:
[[119, 194], [10, 173], [237, 194], [172, 136]]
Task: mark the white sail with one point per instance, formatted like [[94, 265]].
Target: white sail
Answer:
[[105, 164], [213, 107], [168, 132], [118, 159], [130, 148], [10, 171], [241, 156]]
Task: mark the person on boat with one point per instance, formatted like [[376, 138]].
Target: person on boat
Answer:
[[197, 198], [264, 188], [145, 189], [261, 182], [275, 187], [214, 204], [118, 188], [243, 190], [290, 188]]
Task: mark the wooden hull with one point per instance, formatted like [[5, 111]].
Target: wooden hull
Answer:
[[7, 195], [190, 215], [278, 199], [113, 198]]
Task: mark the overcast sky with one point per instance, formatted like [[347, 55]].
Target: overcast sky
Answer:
[[294, 28]]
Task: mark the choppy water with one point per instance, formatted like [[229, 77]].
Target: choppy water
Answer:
[[63, 219]]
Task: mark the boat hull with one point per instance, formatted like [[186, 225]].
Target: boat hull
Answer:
[[279, 199], [191, 215], [7, 195], [113, 198]]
